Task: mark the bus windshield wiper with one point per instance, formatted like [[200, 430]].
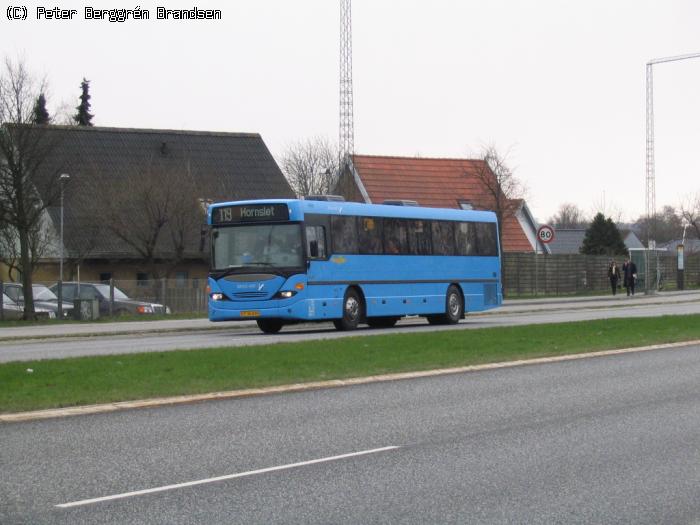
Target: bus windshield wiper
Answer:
[[233, 268], [229, 270]]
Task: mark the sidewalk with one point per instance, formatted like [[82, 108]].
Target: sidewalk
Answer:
[[509, 306], [598, 301]]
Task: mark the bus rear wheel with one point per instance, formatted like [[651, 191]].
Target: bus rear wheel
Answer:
[[270, 326], [454, 308], [352, 311], [382, 322]]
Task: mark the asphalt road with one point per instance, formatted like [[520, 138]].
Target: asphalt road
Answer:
[[601, 440], [27, 349]]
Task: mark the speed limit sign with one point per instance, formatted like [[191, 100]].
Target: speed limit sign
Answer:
[[545, 234]]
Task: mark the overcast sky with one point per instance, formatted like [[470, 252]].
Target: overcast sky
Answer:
[[559, 85]]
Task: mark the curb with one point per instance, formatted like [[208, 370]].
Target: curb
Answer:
[[316, 385], [512, 308]]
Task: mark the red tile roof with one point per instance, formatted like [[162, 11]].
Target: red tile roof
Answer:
[[439, 183]]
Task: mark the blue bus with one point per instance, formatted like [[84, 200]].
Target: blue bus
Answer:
[[287, 261]]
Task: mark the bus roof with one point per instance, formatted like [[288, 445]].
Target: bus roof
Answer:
[[298, 208]]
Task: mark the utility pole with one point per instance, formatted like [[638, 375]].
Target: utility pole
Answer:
[[650, 167], [346, 138]]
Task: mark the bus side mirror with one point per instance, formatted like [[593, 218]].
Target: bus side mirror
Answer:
[[313, 249]]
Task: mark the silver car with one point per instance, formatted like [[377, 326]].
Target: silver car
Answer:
[[13, 311], [44, 299]]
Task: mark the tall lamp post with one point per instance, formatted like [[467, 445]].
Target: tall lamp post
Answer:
[[62, 180], [651, 169]]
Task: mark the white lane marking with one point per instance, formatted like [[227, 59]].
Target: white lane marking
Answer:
[[221, 478]]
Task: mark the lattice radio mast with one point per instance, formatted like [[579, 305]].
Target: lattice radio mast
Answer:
[[651, 283], [346, 138]]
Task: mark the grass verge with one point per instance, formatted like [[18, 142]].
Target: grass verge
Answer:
[[90, 380]]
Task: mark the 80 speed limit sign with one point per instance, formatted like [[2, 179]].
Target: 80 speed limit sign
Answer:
[[545, 234]]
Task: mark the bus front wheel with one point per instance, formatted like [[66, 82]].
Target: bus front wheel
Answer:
[[270, 326], [352, 311]]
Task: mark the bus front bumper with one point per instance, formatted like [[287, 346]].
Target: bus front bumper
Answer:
[[230, 311]]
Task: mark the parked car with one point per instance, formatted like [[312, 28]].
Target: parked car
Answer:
[[13, 311], [123, 304], [43, 298]]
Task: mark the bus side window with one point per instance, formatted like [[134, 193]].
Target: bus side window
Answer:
[[487, 243], [395, 237], [370, 235], [344, 234], [316, 242], [443, 238], [465, 237], [419, 237]]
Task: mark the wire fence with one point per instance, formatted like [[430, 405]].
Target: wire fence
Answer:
[[524, 275], [527, 274], [111, 298]]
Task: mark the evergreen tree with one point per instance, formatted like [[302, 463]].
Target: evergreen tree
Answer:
[[84, 117], [40, 114], [603, 238]]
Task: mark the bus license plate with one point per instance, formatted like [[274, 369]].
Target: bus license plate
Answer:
[[250, 313]]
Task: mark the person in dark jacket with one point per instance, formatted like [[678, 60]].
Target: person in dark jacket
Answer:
[[629, 275], [614, 276]]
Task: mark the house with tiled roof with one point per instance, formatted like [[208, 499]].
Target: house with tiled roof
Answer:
[[111, 169], [438, 183]]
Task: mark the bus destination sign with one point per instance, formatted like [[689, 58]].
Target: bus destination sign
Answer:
[[250, 213]]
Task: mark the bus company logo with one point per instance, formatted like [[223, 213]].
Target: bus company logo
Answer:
[[257, 213], [261, 286]]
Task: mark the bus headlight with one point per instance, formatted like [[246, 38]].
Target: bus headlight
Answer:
[[217, 297], [285, 294]]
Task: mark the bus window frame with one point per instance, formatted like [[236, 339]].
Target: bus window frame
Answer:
[[286, 271], [323, 220]]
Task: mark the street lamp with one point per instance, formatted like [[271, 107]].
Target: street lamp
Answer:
[[62, 180]]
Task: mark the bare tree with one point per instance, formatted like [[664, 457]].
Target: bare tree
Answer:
[[24, 149], [503, 191], [667, 225], [690, 213], [62, 114], [40, 239], [568, 216], [608, 207], [310, 166], [77, 252], [155, 212], [187, 218]]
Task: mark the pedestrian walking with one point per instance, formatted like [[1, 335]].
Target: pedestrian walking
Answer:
[[629, 275], [614, 276]]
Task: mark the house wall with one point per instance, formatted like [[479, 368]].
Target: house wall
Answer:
[[4, 273], [90, 271], [347, 187]]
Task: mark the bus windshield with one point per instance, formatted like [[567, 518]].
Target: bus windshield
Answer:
[[259, 245]]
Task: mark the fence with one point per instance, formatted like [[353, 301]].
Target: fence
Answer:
[[178, 295], [524, 275], [527, 274]]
